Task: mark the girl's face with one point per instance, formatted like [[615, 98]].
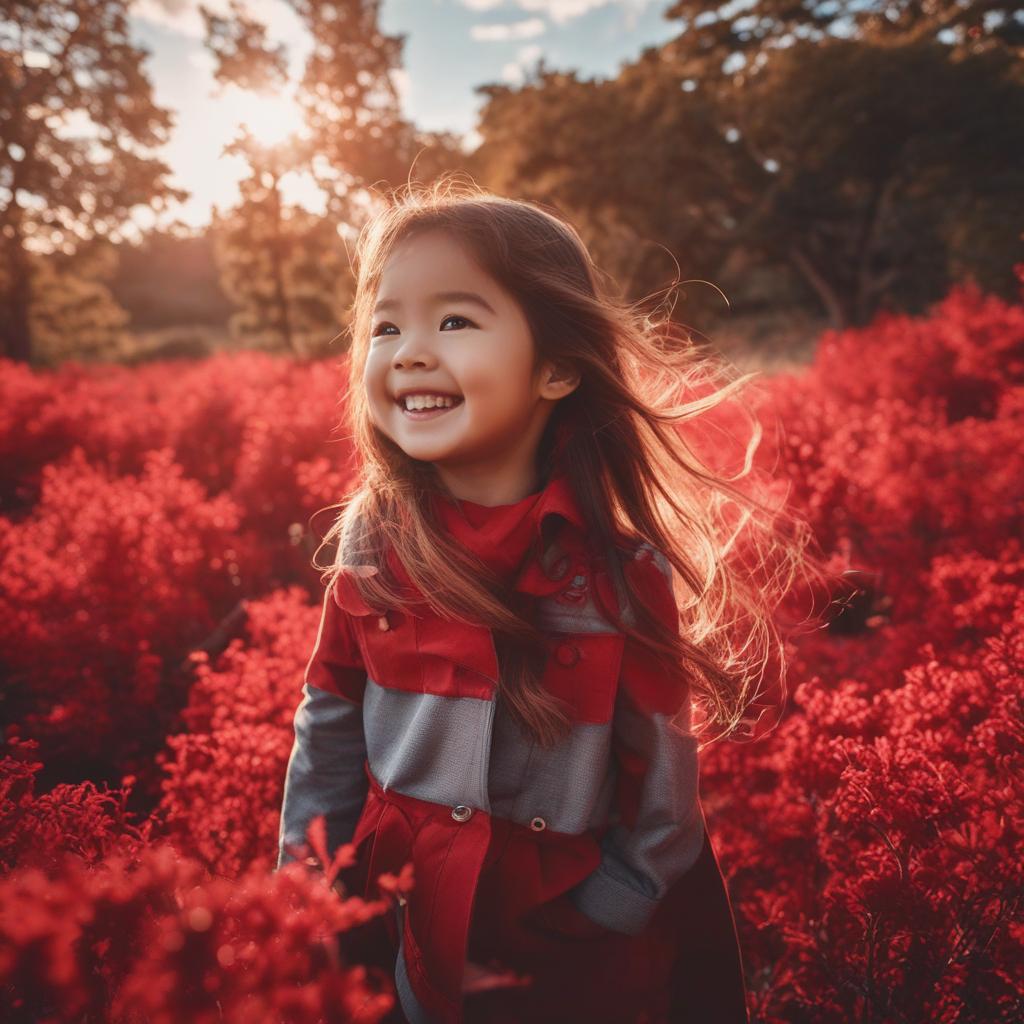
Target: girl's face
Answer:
[[442, 326]]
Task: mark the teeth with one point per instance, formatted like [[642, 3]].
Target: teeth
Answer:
[[428, 401]]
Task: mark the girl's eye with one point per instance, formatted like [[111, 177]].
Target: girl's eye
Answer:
[[379, 329]]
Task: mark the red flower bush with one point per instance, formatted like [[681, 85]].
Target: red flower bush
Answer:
[[243, 426], [157, 609], [105, 586], [157, 939], [37, 831], [223, 775]]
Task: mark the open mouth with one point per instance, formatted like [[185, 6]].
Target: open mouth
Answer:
[[431, 413]]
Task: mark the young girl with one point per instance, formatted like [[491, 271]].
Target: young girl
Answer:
[[534, 577]]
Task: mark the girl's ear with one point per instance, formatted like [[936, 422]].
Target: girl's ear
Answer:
[[557, 382]]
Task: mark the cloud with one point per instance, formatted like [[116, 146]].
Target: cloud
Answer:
[[560, 11], [514, 72], [402, 82], [183, 17], [202, 59], [525, 29]]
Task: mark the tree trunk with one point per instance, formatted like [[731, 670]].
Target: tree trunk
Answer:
[[277, 248], [16, 334], [830, 299]]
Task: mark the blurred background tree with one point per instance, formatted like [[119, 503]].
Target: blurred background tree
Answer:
[[72, 313], [796, 167], [285, 268], [277, 263], [77, 116], [806, 173]]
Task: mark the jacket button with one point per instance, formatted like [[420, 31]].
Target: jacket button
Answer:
[[576, 592], [460, 812], [567, 654], [642, 554], [383, 624], [538, 824]]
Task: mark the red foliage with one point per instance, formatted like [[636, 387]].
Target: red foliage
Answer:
[[872, 842], [36, 831], [224, 775], [126, 572], [156, 939]]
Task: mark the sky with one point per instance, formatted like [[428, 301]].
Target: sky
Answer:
[[451, 47]]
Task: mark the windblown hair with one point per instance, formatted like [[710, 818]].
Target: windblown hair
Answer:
[[635, 475]]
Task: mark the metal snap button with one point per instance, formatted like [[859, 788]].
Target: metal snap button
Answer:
[[460, 812], [567, 654], [576, 592], [538, 824], [382, 623]]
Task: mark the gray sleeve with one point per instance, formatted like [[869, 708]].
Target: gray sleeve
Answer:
[[325, 770], [639, 864]]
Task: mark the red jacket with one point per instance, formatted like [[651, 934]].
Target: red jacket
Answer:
[[400, 743]]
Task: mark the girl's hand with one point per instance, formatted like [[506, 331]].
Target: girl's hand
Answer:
[[482, 977], [561, 916]]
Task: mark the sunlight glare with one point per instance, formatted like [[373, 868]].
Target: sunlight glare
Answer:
[[271, 119]]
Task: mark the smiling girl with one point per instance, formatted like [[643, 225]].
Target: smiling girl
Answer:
[[459, 391], [538, 581]]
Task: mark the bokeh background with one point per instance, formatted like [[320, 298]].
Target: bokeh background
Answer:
[[839, 185]]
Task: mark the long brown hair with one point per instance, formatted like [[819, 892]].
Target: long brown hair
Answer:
[[633, 471]]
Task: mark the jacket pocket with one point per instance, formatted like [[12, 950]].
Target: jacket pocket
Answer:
[[388, 642], [583, 670], [554, 917], [424, 653], [386, 639]]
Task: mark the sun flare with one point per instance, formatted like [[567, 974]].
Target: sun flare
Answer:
[[270, 119]]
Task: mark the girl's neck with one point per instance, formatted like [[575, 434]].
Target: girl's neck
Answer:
[[495, 490]]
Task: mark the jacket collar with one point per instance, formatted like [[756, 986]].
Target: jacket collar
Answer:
[[501, 535], [556, 498], [516, 525]]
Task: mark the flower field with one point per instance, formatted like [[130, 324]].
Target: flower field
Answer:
[[157, 607]]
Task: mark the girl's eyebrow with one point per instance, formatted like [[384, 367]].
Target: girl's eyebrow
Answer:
[[471, 297]]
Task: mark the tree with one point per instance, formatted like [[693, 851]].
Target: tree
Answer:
[[73, 314], [861, 199], [169, 279], [71, 61], [254, 242], [665, 170], [286, 269], [875, 186], [717, 44], [283, 267]]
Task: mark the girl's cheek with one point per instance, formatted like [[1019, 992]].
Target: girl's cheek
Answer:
[[379, 405], [374, 383]]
